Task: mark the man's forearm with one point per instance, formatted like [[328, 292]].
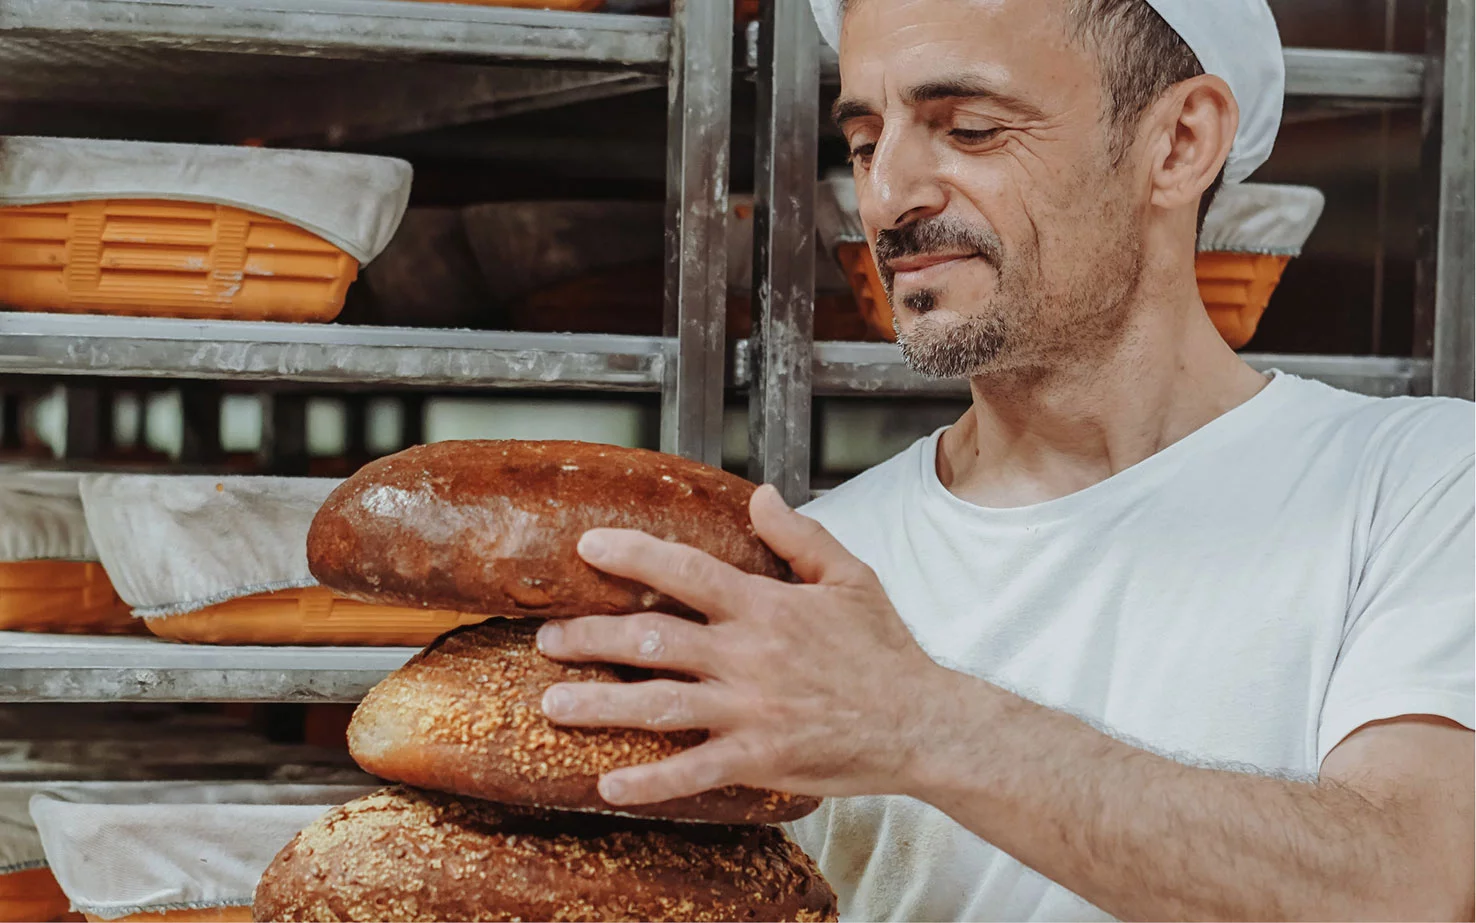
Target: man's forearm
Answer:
[[1142, 836]]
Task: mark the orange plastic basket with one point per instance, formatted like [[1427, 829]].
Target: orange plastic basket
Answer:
[[168, 259], [314, 615], [1235, 288], [866, 284], [72, 597], [33, 895]]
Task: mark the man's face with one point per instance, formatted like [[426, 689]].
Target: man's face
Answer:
[[1006, 237]]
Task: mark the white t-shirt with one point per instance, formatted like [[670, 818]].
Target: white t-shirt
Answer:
[[1247, 597]]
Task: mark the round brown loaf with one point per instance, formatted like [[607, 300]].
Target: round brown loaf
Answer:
[[466, 716], [403, 855], [491, 527]]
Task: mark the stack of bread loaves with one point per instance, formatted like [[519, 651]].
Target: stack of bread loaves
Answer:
[[498, 816]]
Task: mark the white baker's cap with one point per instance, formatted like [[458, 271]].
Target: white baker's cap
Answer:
[[1235, 40]]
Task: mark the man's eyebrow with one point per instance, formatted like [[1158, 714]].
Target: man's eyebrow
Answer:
[[849, 107], [957, 88], [967, 87]]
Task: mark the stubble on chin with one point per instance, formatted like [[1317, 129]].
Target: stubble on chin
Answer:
[[960, 349]]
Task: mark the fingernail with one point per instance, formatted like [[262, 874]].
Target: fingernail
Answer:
[[592, 546], [772, 496], [612, 789], [550, 637], [557, 702]]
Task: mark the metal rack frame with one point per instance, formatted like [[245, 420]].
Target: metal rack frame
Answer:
[[692, 50], [781, 368]]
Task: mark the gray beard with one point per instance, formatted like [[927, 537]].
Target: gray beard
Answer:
[[959, 350]]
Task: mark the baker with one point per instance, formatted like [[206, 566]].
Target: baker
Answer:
[[1146, 633]]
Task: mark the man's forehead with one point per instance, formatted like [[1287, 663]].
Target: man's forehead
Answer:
[[905, 49], [981, 18]]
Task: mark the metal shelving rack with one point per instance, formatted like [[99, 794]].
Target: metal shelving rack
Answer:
[[693, 49], [568, 57], [564, 57]]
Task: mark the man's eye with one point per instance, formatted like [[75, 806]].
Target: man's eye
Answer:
[[974, 136], [862, 152]]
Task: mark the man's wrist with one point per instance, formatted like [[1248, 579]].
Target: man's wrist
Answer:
[[954, 742]]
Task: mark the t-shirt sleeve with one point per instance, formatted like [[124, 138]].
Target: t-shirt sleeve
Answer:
[[1408, 645]]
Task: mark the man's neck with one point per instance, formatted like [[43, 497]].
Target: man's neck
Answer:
[[1030, 439]]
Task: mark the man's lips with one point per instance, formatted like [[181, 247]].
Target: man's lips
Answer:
[[918, 269]]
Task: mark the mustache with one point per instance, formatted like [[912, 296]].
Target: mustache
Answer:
[[941, 234]]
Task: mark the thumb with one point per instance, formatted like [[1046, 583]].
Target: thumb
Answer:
[[812, 552]]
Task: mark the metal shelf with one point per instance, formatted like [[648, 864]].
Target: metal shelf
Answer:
[[1368, 75], [1327, 73], [142, 347], [342, 29], [877, 370], [72, 668]]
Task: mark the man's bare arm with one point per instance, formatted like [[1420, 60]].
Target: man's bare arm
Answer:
[[1385, 834]]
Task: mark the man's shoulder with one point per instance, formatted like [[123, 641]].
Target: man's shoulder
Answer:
[[1401, 444]]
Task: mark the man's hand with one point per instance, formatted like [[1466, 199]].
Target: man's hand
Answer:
[[815, 688]]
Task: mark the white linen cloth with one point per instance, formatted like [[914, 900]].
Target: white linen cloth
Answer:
[[174, 544], [1261, 218], [353, 201], [41, 517], [122, 850]]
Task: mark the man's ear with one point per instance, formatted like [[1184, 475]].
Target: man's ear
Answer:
[[1193, 130]]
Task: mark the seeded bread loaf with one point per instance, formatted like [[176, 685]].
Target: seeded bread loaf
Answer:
[[403, 855], [491, 526], [466, 716]]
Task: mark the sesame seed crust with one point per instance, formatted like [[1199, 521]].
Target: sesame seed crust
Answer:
[[465, 716], [406, 855]]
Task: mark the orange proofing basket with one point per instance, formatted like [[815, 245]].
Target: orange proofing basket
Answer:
[[314, 615], [72, 597], [33, 896], [168, 259], [1235, 287], [866, 284]]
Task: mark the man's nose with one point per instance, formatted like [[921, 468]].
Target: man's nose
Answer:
[[901, 185]]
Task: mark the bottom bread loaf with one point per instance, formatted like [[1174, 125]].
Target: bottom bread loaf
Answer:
[[402, 854]]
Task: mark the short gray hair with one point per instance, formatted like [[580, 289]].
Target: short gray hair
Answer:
[[1139, 55]]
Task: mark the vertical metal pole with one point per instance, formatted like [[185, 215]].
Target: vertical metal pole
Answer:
[[782, 348], [356, 428], [1455, 295], [1427, 203], [412, 420], [12, 421], [698, 130], [89, 422], [284, 433], [200, 415]]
